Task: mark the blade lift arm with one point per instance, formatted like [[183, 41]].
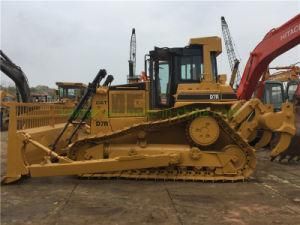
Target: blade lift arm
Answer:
[[84, 100]]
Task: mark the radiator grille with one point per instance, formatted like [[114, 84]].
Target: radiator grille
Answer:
[[118, 103], [135, 103], [127, 104]]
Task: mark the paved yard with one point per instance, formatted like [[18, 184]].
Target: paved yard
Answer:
[[272, 196]]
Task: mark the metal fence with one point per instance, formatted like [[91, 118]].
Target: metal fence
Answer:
[[32, 115]]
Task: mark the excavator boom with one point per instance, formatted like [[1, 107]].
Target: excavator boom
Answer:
[[275, 43], [270, 90], [15, 73]]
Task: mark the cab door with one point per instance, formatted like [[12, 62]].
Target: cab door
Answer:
[[274, 94]]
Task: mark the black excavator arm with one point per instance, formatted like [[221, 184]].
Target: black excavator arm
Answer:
[[15, 73]]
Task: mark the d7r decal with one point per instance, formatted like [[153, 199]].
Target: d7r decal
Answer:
[[101, 123], [214, 96]]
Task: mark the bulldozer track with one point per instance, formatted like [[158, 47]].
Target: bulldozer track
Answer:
[[172, 172]]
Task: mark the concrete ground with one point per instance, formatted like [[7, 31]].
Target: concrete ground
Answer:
[[272, 196]]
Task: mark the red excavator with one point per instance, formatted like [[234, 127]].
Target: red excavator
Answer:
[[276, 42]]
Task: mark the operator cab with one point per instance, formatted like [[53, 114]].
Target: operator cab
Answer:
[[291, 89], [169, 67], [274, 94], [277, 92], [69, 91]]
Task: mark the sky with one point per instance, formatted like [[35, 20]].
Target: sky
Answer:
[[70, 41]]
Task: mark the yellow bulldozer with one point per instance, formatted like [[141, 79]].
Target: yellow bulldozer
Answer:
[[183, 123], [70, 92]]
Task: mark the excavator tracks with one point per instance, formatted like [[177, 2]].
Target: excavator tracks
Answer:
[[242, 157]]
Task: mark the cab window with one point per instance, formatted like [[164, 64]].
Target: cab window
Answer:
[[163, 82], [214, 69], [274, 95], [291, 89], [191, 68]]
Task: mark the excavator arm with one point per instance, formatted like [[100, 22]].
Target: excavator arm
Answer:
[[15, 73], [275, 43]]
